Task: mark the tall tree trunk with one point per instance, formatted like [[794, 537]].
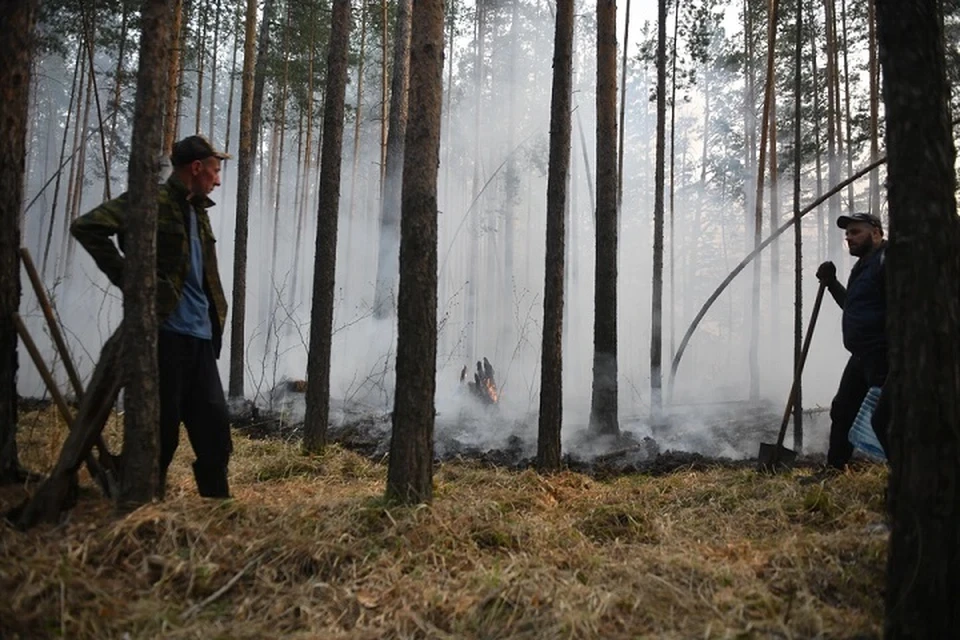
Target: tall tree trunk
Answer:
[[101, 130], [471, 307], [823, 229], [17, 22], [603, 404], [211, 132], [281, 127], [384, 82], [774, 223], [244, 170], [410, 474], [874, 71], [511, 189], [201, 54], [389, 243], [173, 80], [656, 324], [797, 229], [673, 189], [358, 113], [63, 160], [117, 90], [551, 358], [80, 164], [623, 109], [846, 103], [233, 79], [923, 571], [833, 164], [307, 164], [321, 327], [141, 445], [769, 89]]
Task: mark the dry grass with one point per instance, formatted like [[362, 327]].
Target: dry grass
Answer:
[[309, 550]]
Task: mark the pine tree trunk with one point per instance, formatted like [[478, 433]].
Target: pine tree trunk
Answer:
[[656, 328], [173, 80], [797, 228], [211, 131], [233, 81], [874, 71], [851, 203], [17, 22], [384, 82], [358, 114], [823, 229], [833, 164], [389, 237], [551, 359], [922, 271], [141, 446], [201, 54], [301, 211], [623, 110], [321, 326], [63, 160], [410, 474], [117, 89], [244, 170], [281, 128], [603, 405], [768, 93]]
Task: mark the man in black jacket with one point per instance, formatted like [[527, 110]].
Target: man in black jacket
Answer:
[[864, 305]]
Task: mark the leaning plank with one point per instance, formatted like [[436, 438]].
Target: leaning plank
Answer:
[[97, 471], [52, 497]]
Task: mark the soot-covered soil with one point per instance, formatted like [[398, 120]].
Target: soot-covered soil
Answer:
[[691, 437]]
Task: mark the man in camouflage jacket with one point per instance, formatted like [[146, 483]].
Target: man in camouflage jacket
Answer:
[[191, 307]]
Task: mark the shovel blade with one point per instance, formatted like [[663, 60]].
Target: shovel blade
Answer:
[[773, 459]]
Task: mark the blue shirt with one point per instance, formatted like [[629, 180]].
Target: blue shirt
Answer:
[[192, 315]]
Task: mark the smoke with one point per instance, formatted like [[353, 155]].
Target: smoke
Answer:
[[491, 253]]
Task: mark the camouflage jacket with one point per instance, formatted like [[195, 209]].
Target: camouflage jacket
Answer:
[[94, 230]]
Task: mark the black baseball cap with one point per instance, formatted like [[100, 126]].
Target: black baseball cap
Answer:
[[869, 218], [194, 148]]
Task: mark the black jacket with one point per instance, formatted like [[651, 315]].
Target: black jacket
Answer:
[[865, 308]]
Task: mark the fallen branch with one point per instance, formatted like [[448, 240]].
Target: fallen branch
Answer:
[[753, 254]]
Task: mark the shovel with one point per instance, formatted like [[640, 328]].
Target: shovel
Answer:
[[776, 457]]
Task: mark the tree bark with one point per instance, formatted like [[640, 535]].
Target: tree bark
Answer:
[[656, 328], [922, 271], [603, 405], [141, 445], [173, 78], [551, 358], [410, 474], [389, 243], [241, 233], [325, 262], [17, 22], [874, 71]]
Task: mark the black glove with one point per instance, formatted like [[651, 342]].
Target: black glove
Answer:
[[827, 272]]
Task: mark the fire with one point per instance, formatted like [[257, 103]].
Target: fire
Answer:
[[484, 387]]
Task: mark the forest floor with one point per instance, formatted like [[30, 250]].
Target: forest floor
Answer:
[[307, 548]]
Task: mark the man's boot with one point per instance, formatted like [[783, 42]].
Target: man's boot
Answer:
[[211, 481]]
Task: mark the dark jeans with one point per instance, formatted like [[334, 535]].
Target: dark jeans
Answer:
[[191, 392], [858, 376]]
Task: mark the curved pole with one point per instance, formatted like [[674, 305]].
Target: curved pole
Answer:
[[753, 254]]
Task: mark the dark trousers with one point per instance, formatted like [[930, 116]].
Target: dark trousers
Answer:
[[191, 393], [858, 376]]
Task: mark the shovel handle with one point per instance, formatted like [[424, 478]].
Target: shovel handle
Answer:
[[799, 370]]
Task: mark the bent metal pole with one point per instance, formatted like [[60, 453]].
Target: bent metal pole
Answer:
[[753, 254]]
